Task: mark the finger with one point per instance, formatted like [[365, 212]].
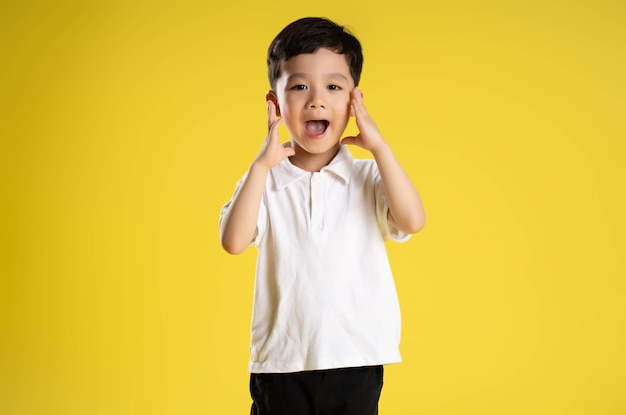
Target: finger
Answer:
[[357, 102], [273, 130], [359, 92], [271, 114]]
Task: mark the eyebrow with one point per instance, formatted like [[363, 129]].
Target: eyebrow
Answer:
[[333, 75]]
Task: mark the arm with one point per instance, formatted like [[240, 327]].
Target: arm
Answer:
[[238, 225], [406, 212]]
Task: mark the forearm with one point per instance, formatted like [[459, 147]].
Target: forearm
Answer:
[[406, 211], [238, 226]]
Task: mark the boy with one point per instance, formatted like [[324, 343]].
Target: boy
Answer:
[[325, 314]]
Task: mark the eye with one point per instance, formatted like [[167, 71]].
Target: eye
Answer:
[[334, 87], [299, 87]]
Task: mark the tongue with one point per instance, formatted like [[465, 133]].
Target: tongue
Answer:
[[316, 127]]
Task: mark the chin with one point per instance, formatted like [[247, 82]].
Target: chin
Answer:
[[319, 148]]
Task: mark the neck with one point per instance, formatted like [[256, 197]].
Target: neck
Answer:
[[312, 162]]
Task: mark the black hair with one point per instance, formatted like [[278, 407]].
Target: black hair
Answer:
[[309, 34]]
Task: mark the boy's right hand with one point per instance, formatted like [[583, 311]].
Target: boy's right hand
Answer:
[[273, 152]]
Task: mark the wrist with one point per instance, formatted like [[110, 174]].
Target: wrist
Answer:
[[260, 167], [380, 149]]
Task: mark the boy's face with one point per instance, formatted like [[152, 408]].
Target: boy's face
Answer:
[[313, 96]]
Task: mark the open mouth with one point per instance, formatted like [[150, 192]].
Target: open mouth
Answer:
[[316, 127]]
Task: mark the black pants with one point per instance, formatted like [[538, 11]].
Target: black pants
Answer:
[[349, 391]]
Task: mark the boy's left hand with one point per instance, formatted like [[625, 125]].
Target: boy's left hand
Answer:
[[369, 137]]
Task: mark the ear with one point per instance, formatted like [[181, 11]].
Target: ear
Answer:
[[271, 96]]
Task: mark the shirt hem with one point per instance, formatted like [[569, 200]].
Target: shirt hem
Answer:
[[290, 367]]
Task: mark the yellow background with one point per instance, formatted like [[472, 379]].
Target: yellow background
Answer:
[[125, 125]]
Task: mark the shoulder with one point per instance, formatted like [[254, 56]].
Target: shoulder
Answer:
[[365, 168]]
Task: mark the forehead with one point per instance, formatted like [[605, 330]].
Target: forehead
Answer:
[[321, 62]]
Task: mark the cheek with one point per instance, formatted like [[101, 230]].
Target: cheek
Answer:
[[289, 109], [288, 115], [348, 103], [290, 118], [286, 107], [348, 109]]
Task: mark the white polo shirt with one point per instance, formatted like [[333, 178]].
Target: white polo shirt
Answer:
[[324, 295]]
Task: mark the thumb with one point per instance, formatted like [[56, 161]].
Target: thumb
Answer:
[[273, 130], [289, 150], [350, 140]]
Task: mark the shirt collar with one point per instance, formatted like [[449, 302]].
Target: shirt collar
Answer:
[[340, 166]]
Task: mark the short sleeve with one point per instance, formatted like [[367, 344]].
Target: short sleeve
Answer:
[[261, 220], [261, 223], [388, 230]]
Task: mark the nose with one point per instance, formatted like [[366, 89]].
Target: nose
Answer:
[[316, 99]]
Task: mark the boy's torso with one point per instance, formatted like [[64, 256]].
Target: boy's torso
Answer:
[[324, 293]]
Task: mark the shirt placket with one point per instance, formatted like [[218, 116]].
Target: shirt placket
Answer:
[[317, 202]]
